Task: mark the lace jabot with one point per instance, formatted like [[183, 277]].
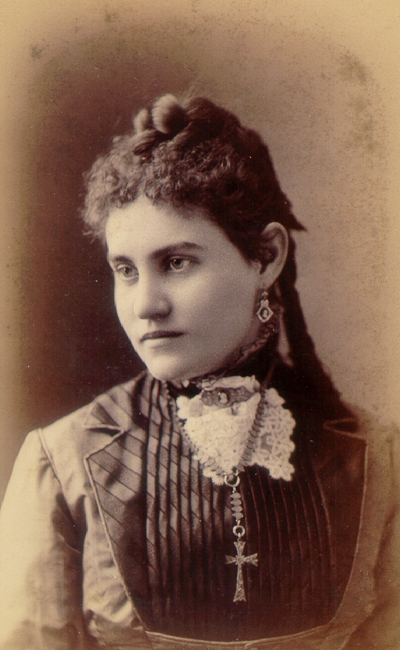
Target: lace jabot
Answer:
[[235, 422]]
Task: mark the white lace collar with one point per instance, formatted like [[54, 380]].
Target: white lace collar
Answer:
[[234, 422]]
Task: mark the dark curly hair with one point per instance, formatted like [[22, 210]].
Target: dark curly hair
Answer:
[[199, 154]]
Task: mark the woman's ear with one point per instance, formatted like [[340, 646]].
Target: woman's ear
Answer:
[[274, 250]]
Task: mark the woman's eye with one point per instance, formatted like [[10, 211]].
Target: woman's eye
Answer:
[[126, 272], [178, 263]]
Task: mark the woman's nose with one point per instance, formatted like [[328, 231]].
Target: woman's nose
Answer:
[[151, 301]]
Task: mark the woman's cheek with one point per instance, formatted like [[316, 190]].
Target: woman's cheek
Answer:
[[125, 308]]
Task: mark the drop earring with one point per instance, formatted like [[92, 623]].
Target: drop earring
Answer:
[[264, 311]]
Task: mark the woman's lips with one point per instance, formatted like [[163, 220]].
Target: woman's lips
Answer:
[[160, 334]]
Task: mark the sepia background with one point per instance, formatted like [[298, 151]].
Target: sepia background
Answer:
[[318, 79]]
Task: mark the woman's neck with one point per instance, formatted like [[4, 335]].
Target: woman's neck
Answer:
[[256, 359]]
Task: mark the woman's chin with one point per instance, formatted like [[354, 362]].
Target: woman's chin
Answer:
[[176, 372], [176, 377], [169, 365], [167, 371]]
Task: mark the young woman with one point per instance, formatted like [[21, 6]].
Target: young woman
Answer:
[[226, 497]]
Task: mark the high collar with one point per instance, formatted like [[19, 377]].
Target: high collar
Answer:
[[259, 363]]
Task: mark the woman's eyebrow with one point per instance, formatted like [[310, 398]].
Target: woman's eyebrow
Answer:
[[172, 249], [179, 247], [118, 259]]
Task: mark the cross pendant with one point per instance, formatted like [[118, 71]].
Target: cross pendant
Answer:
[[239, 560]]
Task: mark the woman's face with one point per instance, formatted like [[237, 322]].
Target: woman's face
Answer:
[[184, 294]]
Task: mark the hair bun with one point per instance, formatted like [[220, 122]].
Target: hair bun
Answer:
[[142, 121], [169, 117]]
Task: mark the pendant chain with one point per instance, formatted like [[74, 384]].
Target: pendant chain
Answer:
[[233, 481], [254, 432]]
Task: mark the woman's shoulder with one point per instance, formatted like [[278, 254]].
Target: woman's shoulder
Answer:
[[330, 419], [382, 437], [364, 436], [93, 425]]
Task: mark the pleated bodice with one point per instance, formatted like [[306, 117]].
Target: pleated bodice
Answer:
[[173, 548]]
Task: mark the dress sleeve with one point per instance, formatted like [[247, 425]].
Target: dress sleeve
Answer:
[[40, 559], [382, 627]]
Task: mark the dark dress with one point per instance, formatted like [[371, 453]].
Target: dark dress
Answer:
[[177, 571], [112, 536]]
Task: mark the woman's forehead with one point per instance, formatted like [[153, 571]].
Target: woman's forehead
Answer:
[[145, 228]]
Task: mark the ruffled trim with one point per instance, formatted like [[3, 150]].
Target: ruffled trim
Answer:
[[274, 446], [221, 437]]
